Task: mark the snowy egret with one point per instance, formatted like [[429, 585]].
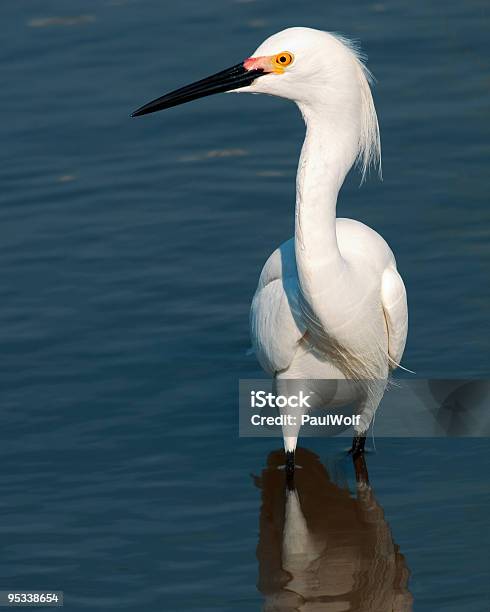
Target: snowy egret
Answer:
[[330, 303]]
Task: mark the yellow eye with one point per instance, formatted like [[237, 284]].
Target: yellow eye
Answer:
[[283, 59]]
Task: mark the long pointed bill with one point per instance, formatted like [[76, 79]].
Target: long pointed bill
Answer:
[[226, 80]]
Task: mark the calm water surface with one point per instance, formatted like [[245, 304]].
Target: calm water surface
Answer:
[[129, 253]]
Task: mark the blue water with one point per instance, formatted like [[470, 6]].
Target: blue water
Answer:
[[129, 253]]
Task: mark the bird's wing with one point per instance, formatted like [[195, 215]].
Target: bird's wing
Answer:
[[275, 324], [281, 264], [275, 320], [394, 301]]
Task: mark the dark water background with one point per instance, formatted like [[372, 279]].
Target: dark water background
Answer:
[[129, 254]]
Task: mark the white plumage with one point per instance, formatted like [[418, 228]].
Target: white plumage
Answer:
[[330, 303]]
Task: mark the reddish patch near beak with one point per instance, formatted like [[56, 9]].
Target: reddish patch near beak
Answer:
[[259, 63]]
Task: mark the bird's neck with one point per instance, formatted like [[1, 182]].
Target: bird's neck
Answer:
[[328, 152]]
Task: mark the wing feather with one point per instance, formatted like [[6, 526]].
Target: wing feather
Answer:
[[394, 301], [275, 320], [275, 324]]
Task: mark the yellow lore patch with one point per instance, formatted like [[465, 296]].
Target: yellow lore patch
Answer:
[[281, 60]]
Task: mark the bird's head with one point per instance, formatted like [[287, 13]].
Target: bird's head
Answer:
[[322, 72]]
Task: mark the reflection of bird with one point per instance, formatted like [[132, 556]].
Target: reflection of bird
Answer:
[[321, 549], [330, 303]]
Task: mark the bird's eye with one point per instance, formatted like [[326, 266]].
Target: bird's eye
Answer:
[[284, 59]]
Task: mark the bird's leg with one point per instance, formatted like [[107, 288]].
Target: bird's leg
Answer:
[[357, 452], [290, 469], [358, 443]]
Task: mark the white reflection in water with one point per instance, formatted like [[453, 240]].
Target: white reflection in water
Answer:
[[322, 549]]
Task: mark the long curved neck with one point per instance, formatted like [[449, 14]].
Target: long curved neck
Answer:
[[328, 153]]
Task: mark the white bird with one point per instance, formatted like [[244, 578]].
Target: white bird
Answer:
[[330, 303]]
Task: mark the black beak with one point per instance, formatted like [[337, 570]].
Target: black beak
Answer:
[[226, 80]]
